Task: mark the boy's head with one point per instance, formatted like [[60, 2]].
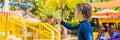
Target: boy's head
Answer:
[[83, 11]]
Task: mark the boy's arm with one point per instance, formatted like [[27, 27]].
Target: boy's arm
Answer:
[[68, 26]]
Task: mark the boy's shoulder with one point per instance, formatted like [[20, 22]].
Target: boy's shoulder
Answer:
[[85, 22]]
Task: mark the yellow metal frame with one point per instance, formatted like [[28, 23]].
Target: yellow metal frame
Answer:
[[56, 33], [107, 20], [13, 24]]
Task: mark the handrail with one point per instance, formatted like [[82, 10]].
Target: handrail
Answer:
[[57, 33], [14, 23]]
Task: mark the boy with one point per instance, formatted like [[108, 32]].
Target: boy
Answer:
[[82, 13]]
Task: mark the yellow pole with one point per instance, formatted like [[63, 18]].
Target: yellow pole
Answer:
[[25, 30], [6, 25], [6, 8]]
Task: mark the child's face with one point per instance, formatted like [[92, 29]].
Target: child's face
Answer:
[[78, 14]]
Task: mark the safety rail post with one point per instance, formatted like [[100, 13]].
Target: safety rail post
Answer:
[[44, 26], [56, 33]]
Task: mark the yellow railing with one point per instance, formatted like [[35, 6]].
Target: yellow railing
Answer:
[[56, 33], [13, 24], [45, 32]]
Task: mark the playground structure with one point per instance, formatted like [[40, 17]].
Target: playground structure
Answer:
[[107, 16], [15, 27]]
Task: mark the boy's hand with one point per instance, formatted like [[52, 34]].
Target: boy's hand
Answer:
[[57, 19]]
